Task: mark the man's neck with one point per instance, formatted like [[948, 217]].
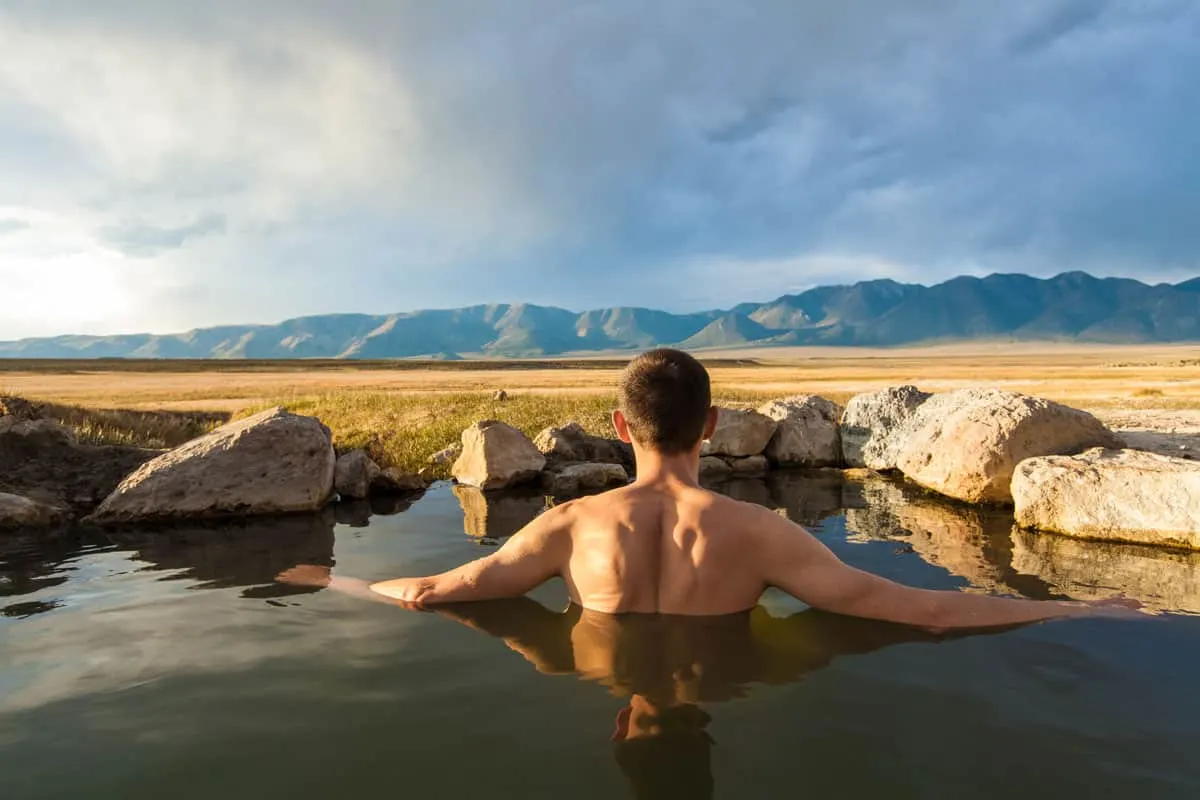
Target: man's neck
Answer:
[[676, 468]]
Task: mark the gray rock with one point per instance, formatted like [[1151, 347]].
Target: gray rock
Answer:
[[447, 455], [353, 474], [586, 477], [496, 455], [750, 465], [393, 480], [1114, 495], [41, 460], [571, 442], [712, 466], [271, 463], [739, 433], [807, 434], [20, 512], [871, 424], [966, 444]]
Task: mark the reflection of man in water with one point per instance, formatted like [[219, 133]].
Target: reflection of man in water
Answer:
[[665, 545], [668, 664]]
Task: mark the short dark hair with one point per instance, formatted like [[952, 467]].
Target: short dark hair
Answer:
[[665, 396]]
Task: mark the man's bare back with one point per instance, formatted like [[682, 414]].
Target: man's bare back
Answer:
[[667, 548]]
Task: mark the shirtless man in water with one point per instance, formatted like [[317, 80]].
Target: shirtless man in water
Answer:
[[663, 544]]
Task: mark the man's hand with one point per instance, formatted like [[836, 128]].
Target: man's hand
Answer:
[[306, 575]]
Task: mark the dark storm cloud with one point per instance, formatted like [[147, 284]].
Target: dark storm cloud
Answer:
[[578, 153]]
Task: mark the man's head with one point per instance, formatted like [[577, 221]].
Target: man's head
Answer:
[[665, 403]]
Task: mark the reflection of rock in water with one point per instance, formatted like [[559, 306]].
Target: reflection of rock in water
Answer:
[[969, 542], [497, 514], [808, 497], [246, 553], [385, 505], [1161, 579], [748, 490], [356, 513]]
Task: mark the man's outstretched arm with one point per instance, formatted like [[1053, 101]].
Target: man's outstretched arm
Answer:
[[793, 560], [530, 557]]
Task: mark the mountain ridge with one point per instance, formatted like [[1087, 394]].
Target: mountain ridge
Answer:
[[879, 313]]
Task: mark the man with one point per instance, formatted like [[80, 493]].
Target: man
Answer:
[[663, 544]]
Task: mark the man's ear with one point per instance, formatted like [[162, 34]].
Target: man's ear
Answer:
[[621, 425], [710, 424]]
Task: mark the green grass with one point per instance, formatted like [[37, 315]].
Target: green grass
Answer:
[[403, 430]]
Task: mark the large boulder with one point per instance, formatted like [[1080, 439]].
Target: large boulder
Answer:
[[871, 422], [807, 433], [571, 442], [353, 474], [496, 455], [274, 462], [1117, 495], [739, 433], [575, 478], [965, 444], [21, 512]]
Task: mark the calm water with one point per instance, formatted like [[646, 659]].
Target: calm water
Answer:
[[149, 665]]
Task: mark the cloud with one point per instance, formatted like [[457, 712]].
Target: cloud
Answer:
[[12, 225], [142, 240], [388, 155]]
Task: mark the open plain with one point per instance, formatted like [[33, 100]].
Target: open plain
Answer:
[[404, 410]]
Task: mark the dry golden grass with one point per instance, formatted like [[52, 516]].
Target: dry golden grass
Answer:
[[404, 414]]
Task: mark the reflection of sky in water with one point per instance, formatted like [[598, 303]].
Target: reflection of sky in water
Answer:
[[185, 649]]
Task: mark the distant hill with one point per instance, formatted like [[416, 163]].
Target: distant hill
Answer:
[[1071, 306]]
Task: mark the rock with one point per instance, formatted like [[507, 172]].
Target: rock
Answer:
[[739, 433], [497, 515], [870, 423], [353, 474], [37, 432], [965, 444], [496, 455], [584, 477], [807, 433], [41, 460], [394, 479], [447, 455], [500, 396], [750, 465], [271, 463], [571, 442], [1115, 495], [712, 466], [19, 512]]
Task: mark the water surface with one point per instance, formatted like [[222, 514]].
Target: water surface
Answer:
[[145, 664]]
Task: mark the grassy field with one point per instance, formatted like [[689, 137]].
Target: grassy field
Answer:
[[403, 411]]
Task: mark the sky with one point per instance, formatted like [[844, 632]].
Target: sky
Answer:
[[171, 164]]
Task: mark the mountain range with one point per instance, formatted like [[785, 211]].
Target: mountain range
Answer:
[[1072, 306]]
